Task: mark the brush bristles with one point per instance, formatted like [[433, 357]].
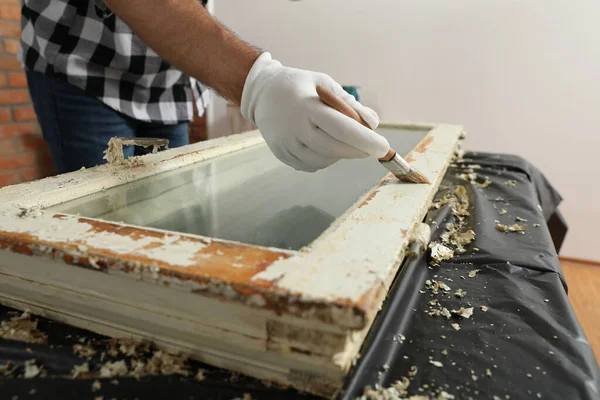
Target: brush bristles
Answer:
[[414, 176]]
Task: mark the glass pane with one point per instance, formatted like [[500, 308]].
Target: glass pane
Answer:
[[246, 196]]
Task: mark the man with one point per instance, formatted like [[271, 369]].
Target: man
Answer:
[[98, 69]]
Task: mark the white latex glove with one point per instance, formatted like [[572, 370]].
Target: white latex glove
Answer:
[[299, 129]]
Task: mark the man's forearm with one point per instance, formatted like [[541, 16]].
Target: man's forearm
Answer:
[[185, 34]]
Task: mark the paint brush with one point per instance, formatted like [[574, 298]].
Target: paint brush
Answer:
[[391, 161]]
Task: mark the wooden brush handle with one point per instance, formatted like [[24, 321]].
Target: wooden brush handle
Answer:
[[337, 103]]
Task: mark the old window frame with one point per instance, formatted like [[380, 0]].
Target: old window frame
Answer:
[[325, 287]]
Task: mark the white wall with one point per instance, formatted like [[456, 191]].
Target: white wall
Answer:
[[523, 77]]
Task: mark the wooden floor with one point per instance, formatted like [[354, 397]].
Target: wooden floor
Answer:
[[584, 294]]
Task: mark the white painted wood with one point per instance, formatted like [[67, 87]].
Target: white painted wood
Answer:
[[191, 292]]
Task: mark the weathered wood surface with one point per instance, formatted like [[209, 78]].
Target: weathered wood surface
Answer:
[[280, 300]]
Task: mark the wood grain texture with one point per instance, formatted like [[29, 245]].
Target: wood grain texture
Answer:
[[584, 293], [328, 276], [225, 302]]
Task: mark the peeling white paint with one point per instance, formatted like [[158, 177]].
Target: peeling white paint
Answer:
[[170, 249], [354, 260], [335, 267], [360, 252]]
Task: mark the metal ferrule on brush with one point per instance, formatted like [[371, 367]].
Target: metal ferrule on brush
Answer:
[[396, 165]]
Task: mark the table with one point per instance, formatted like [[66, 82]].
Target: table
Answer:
[[527, 344]]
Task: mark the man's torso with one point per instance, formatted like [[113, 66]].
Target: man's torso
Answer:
[[95, 50]]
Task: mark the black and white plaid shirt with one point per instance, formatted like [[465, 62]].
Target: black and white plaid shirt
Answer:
[[83, 42]]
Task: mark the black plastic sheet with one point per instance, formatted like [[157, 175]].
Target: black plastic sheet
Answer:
[[529, 343]]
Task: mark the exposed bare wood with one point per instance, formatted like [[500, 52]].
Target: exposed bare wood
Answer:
[[296, 317]]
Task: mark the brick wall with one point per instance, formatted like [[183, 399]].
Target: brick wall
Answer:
[[24, 155]]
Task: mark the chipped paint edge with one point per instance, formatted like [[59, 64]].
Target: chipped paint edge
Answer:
[[345, 311]]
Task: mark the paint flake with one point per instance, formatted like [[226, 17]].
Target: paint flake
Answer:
[[439, 253], [111, 369], [446, 313], [436, 363], [512, 228], [80, 371], [473, 273], [84, 351], [435, 286], [31, 369], [22, 328], [464, 312], [455, 326]]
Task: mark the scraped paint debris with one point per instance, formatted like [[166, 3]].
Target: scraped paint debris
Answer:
[[463, 312], [31, 369], [473, 273], [512, 228], [439, 253]]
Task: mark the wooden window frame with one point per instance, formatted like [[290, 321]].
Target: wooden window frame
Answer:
[[294, 317]]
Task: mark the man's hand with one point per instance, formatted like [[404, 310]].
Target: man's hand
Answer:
[[300, 130]]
